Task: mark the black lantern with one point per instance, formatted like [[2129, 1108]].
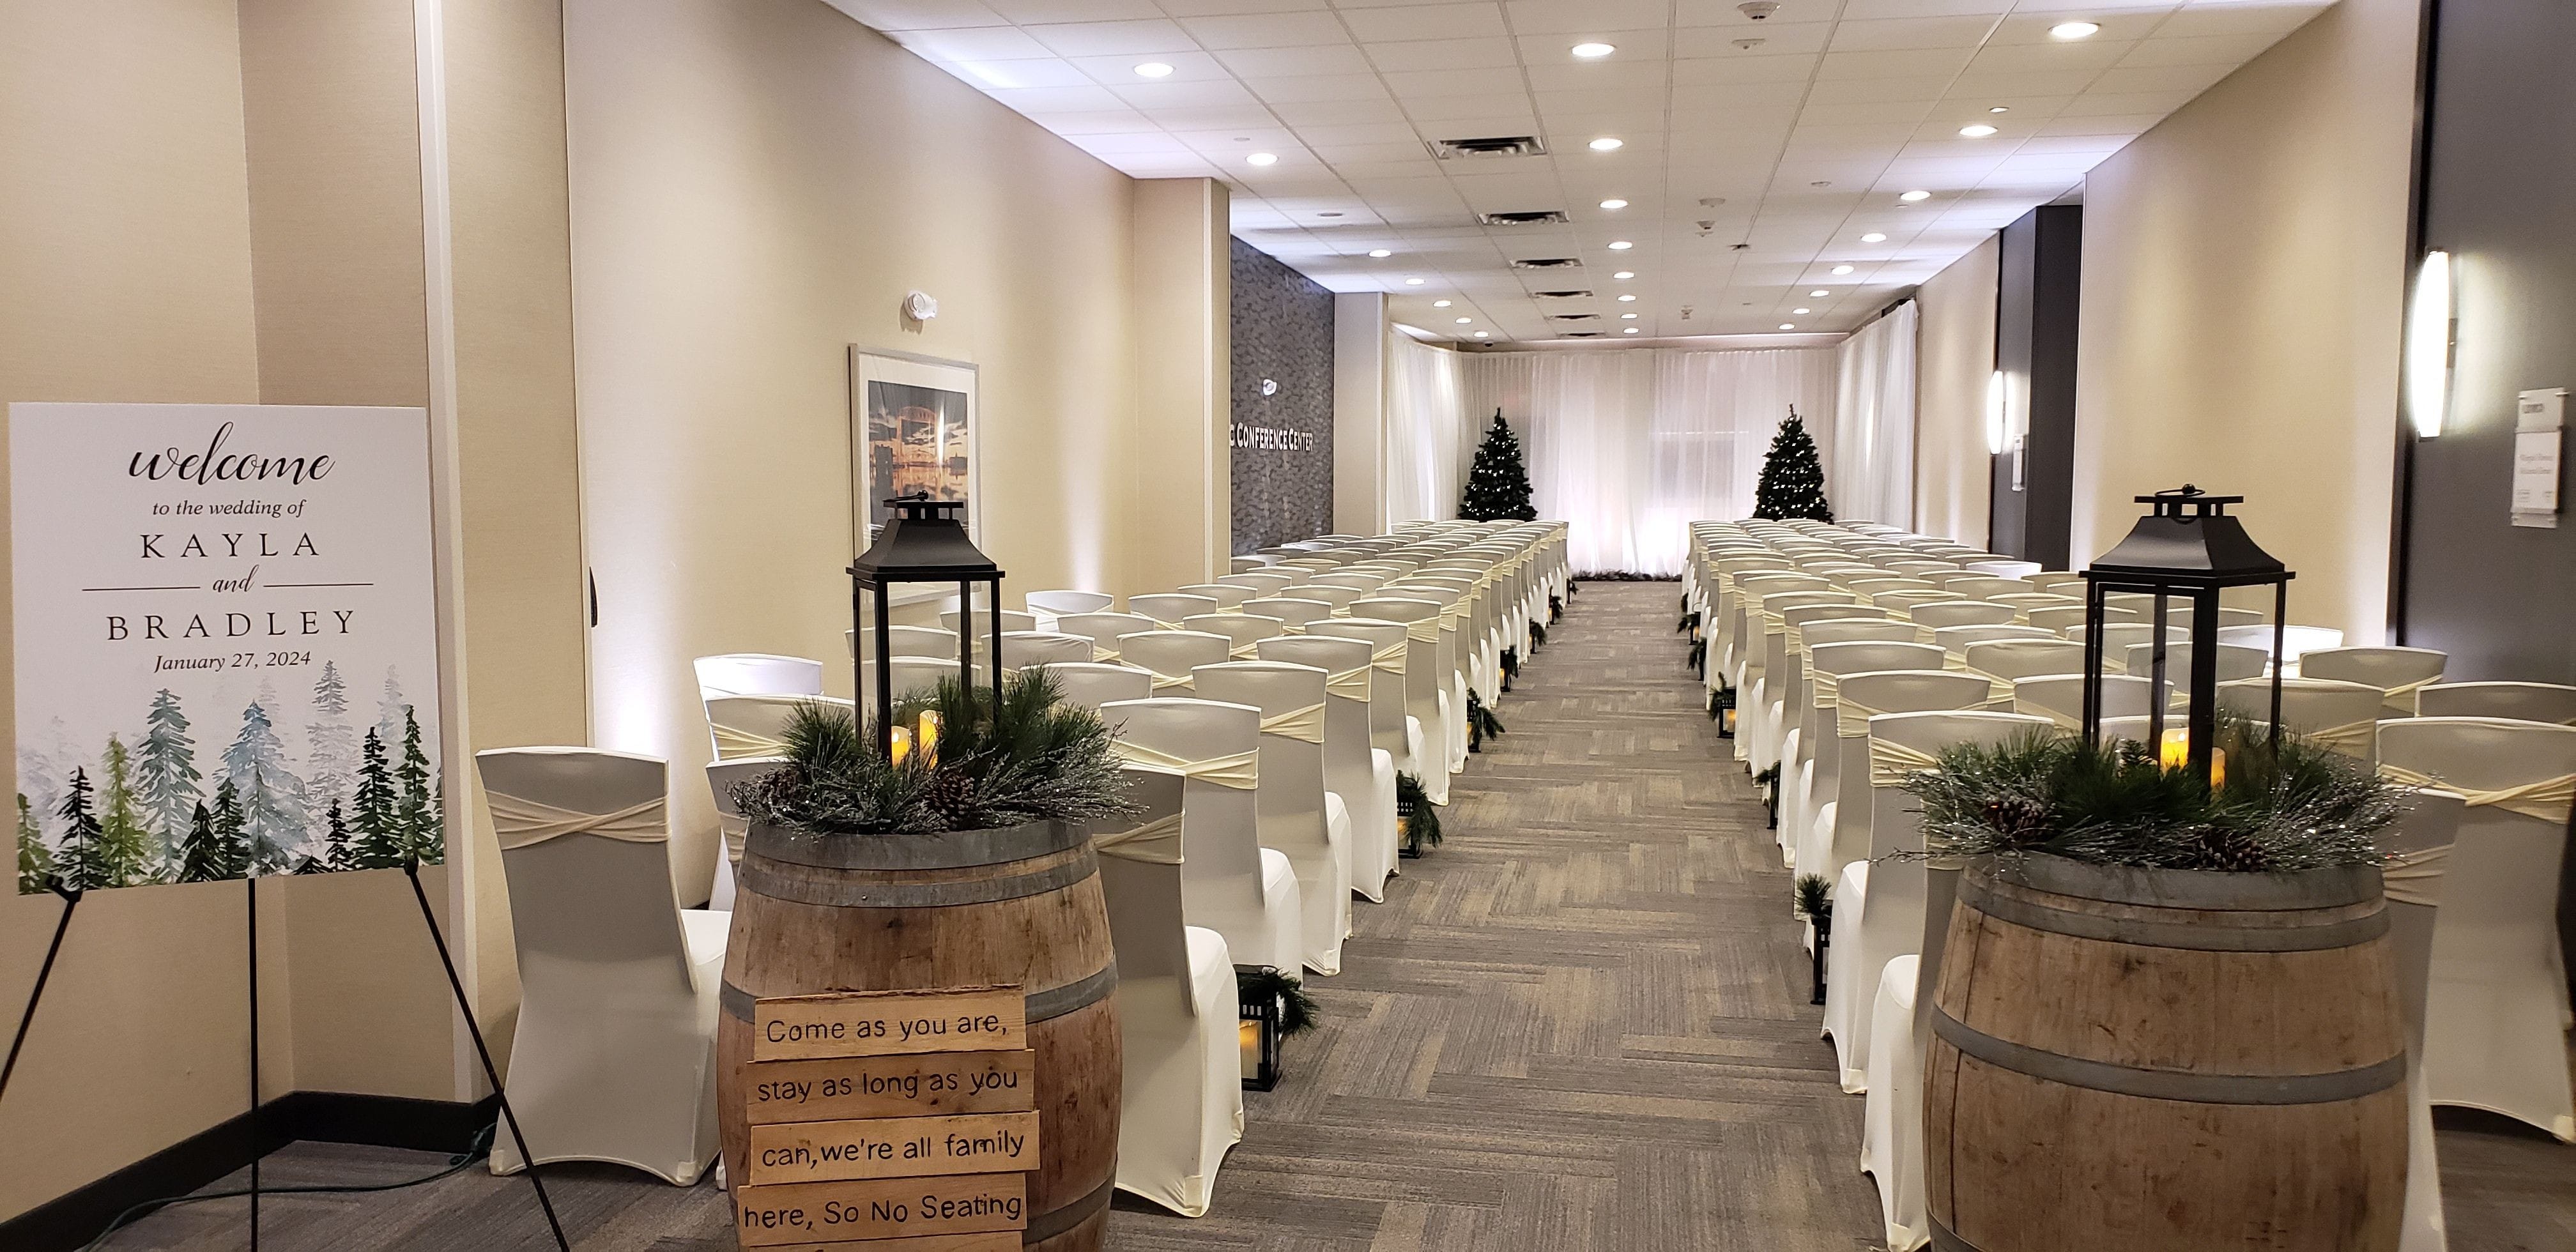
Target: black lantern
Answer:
[[924, 543], [1261, 1010], [2187, 548]]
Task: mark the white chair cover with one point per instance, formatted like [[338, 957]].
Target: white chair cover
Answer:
[[906, 641], [1226, 595], [1229, 882], [2339, 715], [1426, 702], [1104, 629], [2399, 672], [753, 725], [1360, 777], [1092, 684], [1045, 605], [1168, 608], [1391, 730], [1024, 648], [731, 828], [1297, 814], [1172, 655], [1293, 614], [2522, 702], [614, 1053], [1012, 619], [758, 674], [1242, 630]]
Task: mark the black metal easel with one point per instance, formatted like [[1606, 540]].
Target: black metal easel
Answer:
[[250, 888]]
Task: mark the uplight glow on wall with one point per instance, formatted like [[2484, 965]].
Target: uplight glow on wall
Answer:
[[1996, 426], [2428, 345]]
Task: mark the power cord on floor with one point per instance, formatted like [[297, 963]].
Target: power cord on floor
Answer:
[[474, 1151]]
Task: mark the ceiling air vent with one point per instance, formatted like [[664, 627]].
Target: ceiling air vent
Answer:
[[1582, 334], [1538, 217], [1562, 295], [1491, 146], [1548, 263], [1575, 317]]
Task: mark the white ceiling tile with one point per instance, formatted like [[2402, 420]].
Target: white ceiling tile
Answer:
[[1226, 141], [1859, 113], [2047, 58], [1112, 38], [983, 43], [2052, 83], [1210, 117], [1168, 95], [1770, 39], [1365, 132], [1467, 116], [1132, 142], [1879, 90], [1261, 63], [1027, 12], [1338, 154], [1119, 71], [2018, 110], [2096, 103], [1631, 49], [1745, 69], [1057, 99], [1320, 87], [1488, 52], [1266, 30], [2228, 50], [2270, 17], [2031, 20], [1584, 17], [1425, 21], [1006, 75], [2123, 124], [1903, 33], [905, 15], [1081, 125], [1628, 100], [1389, 171], [1912, 64], [1336, 112], [1222, 8], [1413, 84], [2188, 78], [1712, 102]]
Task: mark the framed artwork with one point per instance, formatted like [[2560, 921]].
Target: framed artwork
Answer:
[[912, 428]]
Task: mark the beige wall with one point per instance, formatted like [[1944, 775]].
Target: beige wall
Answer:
[[1359, 412], [1179, 453], [1953, 473], [2243, 280], [755, 185]]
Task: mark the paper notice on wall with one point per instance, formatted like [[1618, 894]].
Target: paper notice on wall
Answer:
[[226, 641], [2540, 418]]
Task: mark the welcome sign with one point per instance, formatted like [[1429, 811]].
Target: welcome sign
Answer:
[[225, 642]]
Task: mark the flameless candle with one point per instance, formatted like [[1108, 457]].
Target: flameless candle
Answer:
[[1248, 1036], [2175, 753], [902, 744], [929, 737]]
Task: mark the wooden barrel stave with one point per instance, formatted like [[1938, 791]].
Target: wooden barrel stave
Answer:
[[1035, 917], [2246, 1091]]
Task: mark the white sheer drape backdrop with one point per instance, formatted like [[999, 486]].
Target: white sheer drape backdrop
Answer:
[[1427, 445], [1869, 470], [1628, 447]]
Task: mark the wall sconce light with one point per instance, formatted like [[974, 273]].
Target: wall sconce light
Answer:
[[2430, 328], [1997, 425]]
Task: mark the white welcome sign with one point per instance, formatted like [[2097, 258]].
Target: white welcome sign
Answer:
[[225, 641]]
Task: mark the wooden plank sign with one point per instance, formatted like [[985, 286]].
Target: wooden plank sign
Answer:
[[892, 1147], [988, 1241], [889, 1023], [925, 1085], [799, 1214]]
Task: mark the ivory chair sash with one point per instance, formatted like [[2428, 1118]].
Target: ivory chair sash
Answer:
[[614, 1053], [1181, 1098], [757, 674], [906, 641], [2060, 698], [2498, 1006], [1818, 780], [757, 725], [1173, 655], [1297, 814], [1226, 595], [2025, 658], [1336, 599], [1230, 883], [2418, 848], [1360, 778], [1169, 608], [2338, 715], [2235, 662], [1243, 629]]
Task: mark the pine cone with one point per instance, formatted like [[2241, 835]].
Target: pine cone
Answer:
[[2017, 818], [951, 794], [2223, 849]]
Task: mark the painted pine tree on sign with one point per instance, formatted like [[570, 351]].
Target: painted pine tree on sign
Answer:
[[416, 813], [83, 854], [330, 746], [133, 854], [337, 852], [272, 797], [35, 860], [377, 829], [201, 856], [166, 780]]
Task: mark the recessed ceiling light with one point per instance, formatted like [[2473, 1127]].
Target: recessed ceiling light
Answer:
[[1593, 51], [1626, 299], [2074, 30], [1481, 334], [1788, 326], [1261, 158], [1630, 331], [1915, 197], [1153, 69], [1413, 282], [1620, 245], [1627, 317], [1465, 321], [1439, 304], [1625, 275], [2000, 108], [1818, 294], [1614, 204], [1800, 312], [1842, 269], [1978, 131], [1873, 237], [1607, 144], [1381, 253]]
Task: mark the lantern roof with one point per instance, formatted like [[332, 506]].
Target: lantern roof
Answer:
[[2190, 540], [924, 542]]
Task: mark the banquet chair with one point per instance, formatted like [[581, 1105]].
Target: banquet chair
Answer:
[[1764, 702], [1168, 608], [1426, 698], [1241, 629], [1982, 586], [2063, 582], [2522, 702], [1024, 648], [613, 1058], [2497, 1009], [1012, 619], [1090, 684], [757, 674], [1293, 614], [1794, 645], [2339, 715], [1180, 1099], [1391, 729], [1230, 883], [1954, 640], [2055, 619], [910, 641], [2119, 637], [915, 675], [2296, 640], [1172, 655], [1226, 595], [1246, 564], [2418, 849], [1264, 583], [1922, 568], [2235, 661], [1052, 604], [1940, 613], [2025, 603], [1856, 629], [1336, 599], [2398, 672], [1360, 777], [731, 826], [755, 725], [1352, 579], [2060, 698], [2025, 570], [1816, 782], [1889, 954], [1904, 601], [1297, 814], [1105, 629], [2025, 658]]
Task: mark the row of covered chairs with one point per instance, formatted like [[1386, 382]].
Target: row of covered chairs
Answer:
[[1849, 678]]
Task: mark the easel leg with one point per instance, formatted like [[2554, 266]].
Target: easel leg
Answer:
[[250, 899], [411, 870], [71, 900]]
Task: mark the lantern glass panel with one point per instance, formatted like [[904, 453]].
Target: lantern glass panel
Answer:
[[923, 545]]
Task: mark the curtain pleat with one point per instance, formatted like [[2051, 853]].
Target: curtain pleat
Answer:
[[1426, 430], [1869, 472]]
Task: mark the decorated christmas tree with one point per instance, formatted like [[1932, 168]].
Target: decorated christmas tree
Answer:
[[1793, 476], [1498, 484]]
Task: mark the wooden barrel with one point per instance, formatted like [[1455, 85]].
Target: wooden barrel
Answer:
[[1015, 906], [2128, 1060]]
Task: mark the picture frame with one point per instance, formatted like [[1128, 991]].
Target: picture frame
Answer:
[[914, 425]]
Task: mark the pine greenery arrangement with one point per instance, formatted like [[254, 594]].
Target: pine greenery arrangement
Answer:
[[1793, 476], [2304, 807], [1297, 1013], [1498, 484], [1029, 758], [1421, 817], [1814, 902]]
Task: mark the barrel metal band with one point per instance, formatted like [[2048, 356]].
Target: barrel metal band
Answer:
[[1053, 1222], [2263, 1089], [2189, 936], [1053, 1002], [757, 875]]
